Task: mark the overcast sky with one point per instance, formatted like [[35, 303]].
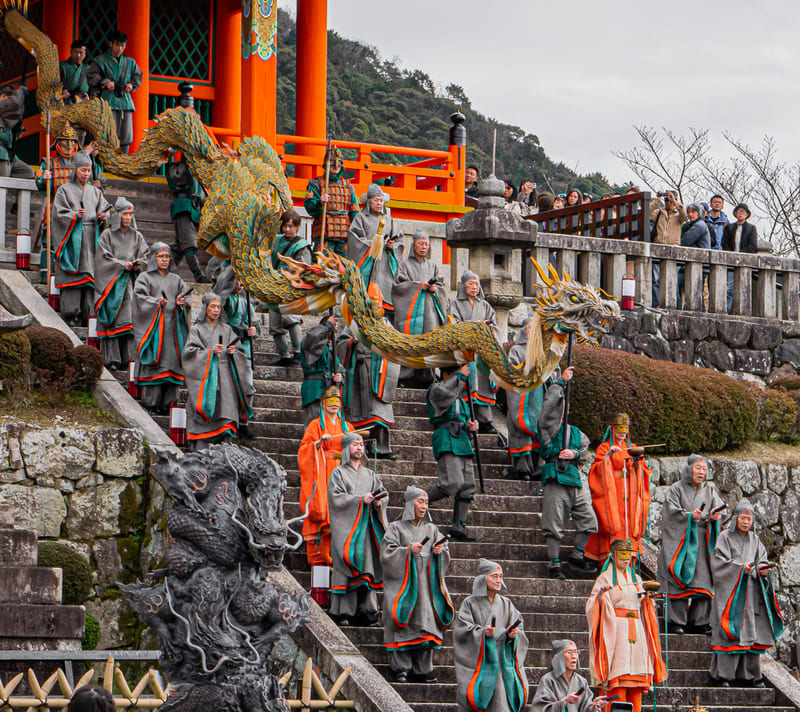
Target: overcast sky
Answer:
[[579, 74]]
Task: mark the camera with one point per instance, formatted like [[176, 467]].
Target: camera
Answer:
[[119, 91]]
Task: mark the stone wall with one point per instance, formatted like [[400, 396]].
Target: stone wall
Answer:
[[85, 489], [774, 491]]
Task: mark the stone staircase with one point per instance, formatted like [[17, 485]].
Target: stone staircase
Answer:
[[506, 519]]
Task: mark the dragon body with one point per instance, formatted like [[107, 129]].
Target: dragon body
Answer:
[[248, 192]]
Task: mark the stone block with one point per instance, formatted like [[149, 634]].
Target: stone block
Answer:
[[788, 352], [120, 452], [765, 337], [672, 327], [777, 374], [41, 509], [715, 354], [102, 510], [790, 515], [757, 362], [653, 347], [108, 614], [65, 486], [18, 547], [4, 463], [649, 323], [683, 351], [30, 584], [658, 494], [654, 525], [91, 480], [671, 469], [733, 332], [57, 452], [108, 563], [767, 505], [618, 343], [10, 477], [628, 327], [698, 328], [790, 566], [37, 621], [776, 477], [733, 473]]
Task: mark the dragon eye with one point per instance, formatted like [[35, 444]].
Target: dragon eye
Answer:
[[574, 298]]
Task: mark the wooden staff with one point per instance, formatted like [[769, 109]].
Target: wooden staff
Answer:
[[47, 204], [325, 192]]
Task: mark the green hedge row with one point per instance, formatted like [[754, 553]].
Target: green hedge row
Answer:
[[690, 409]]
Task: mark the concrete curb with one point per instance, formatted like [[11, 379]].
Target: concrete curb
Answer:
[[333, 652]]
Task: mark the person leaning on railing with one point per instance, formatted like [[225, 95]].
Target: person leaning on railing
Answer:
[[666, 219]]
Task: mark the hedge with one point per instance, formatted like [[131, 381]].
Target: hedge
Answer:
[[690, 409]]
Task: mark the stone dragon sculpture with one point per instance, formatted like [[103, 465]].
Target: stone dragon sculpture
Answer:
[[217, 614], [247, 192]]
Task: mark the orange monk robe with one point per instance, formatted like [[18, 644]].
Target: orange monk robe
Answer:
[[316, 465], [615, 483]]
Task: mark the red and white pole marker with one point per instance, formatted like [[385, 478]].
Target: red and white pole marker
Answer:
[[23, 249], [177, 423], [320, 585], [134, 389], [92, 339], [628, 292], [54, 295]]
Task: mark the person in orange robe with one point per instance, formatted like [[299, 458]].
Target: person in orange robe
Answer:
[[617, 478], [624, 648], [319, 454]]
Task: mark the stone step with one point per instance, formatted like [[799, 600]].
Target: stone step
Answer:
[[683, 697], [291, 408], [18, 547], [30, 584], [41, 621]]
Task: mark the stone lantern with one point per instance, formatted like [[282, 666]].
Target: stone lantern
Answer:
[[496, 239]]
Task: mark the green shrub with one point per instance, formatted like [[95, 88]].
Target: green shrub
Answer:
[[77, 574], [15, 357], [690, 409], [790, 383], [50, 349], [91, 636], [777, 415], [88, 364]]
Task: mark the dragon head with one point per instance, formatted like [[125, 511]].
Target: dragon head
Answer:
[[571, 307]]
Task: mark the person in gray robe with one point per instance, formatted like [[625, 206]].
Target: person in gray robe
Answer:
[[374, 243], [161, 320], [489, 646], [288, 244], [321, 367], [120, 255], [77, 207], [470, 305], [563, 689], [357, 503], [416, 603], [689, 531], [420, 301], [745, 616], [213, 367], [369, 385]]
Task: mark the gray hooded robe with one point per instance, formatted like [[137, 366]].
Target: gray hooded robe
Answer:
[[355, 567], [553, 687], [476, 612], [196, 354]]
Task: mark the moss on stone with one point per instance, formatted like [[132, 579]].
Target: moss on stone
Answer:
[[91, 636], [131, 515], [76, 572], [130, 627], [129, 553]]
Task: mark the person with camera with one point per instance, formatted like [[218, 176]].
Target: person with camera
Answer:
[[666, 219], [114, 77]]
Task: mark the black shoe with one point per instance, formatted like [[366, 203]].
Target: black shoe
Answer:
[[555, 572], [675, 628], [386, 456], [370, 620], [716, 682], [486, 428], [702, 629], [342, 621], [759, 683], [406, 383], [581, 565], [286, 360], [461, 535], [244, 432], [201, 278], [113, 366], [401, 676], [426, 677]]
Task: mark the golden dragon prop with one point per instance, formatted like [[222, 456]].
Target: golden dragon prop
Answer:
[[247, 192]]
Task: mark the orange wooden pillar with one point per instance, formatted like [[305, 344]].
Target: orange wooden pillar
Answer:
[[58, 23], [259, 84], [312, 78], [134, 20], [226, 111]]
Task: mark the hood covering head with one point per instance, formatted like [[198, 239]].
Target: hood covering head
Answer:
[[558, 663], [155, 250], [374, 191], [347, 440], [485, 567], [744, 507], [81, 158], [208, 297], [701, 211], [420, 235], [214, 267], [466, 276], [686, 472], [413, 493], [122, 205]]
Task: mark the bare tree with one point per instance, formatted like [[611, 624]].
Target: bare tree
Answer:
[[670, 165]]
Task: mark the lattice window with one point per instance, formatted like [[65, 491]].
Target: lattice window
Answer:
[[180, 38], [14, 60], [97, 18]]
